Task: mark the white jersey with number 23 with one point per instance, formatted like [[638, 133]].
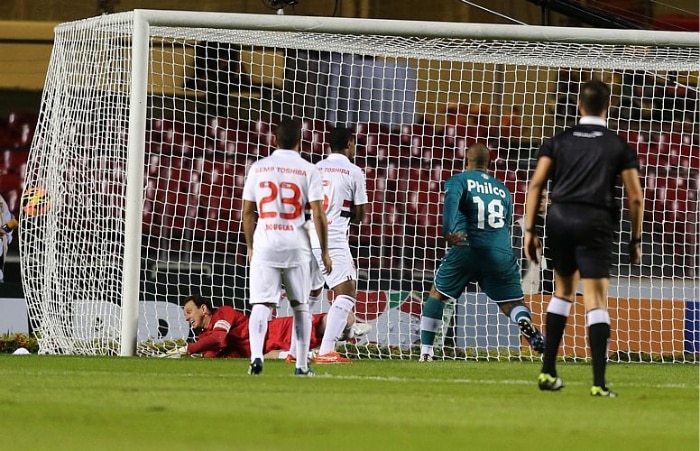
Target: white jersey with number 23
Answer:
[[281, 186]]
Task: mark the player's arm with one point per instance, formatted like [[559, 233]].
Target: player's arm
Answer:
[[321, 223], [537, 183], [360, 198], [450, 210], [635, 203], [213, 341], [358, 214], [250, 217]]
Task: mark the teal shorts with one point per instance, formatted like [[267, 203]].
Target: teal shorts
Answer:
[[495, 270]]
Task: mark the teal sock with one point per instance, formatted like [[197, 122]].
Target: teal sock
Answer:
[[518, 312], [431, 320]]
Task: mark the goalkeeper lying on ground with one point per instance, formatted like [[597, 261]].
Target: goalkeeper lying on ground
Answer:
[[223, 332]]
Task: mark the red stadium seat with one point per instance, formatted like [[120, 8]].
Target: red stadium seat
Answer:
[[168, 213], [13, 161], [363, 129], [21, 126], [173, 136], [466, 135], [263, 132], [222, 214], [314, 139]]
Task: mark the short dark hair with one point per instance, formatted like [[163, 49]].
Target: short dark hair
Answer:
[[340, 138], [198, 301], [288, 133], [594, 97], [478, 156]]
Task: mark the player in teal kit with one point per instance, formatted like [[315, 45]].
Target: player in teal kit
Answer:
[[477, 216]]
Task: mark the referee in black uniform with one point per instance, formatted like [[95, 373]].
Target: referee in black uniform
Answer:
[[583, 163]]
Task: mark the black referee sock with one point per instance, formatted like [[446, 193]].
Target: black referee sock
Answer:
[[598, 338], [555, 330]]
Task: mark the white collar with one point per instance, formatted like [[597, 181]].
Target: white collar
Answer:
[[592, 120]]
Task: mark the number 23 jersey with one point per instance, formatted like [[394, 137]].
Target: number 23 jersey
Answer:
[[281, 186]]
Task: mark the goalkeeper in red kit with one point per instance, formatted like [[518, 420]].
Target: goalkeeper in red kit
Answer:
[[224, 331]]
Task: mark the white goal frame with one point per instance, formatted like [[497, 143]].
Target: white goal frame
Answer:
[[144, 19]]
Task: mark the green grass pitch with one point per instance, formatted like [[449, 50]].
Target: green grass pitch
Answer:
[[113, 403]]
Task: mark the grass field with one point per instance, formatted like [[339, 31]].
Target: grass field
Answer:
[[101, 403]]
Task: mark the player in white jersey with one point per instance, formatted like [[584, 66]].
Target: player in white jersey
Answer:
[[275, 194], [345, 197]]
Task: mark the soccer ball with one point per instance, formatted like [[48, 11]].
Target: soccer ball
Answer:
[[35, 201]]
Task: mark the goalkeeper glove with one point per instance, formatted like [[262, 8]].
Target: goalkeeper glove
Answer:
[[175, 353]]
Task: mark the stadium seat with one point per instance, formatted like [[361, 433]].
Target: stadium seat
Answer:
[[221, 214], [516, 181], [363, 129], [264, 133], [177, 169], [314, 139], [167, 212], [13, 161], [466, 134], [223, 173], [21, 126], [381, 148]]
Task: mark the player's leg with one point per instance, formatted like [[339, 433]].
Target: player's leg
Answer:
[[431, 322], [317, 282], [265, 291], [595, 293], [336, 323], [342, 281], [500, 280], [520, 315], [297, 284], [558, 311], [562, 247], [595, 259], [451, 277]]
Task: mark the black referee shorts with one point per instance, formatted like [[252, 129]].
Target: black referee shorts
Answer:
[[580, 237]]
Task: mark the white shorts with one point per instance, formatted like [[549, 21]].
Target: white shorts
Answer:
[[266, 284], [343, 268]]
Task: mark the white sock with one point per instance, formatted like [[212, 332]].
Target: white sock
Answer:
[[336, 321], [597, 316], [302, 334], [313, 300], [257, 329], [426, 349], [559, 306]]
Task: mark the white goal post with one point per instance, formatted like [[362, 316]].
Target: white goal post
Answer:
[[149, 120]]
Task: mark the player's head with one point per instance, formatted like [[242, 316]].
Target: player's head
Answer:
[[289, 134], [594, 98], [342, 140], [478, 157], [197, 311]]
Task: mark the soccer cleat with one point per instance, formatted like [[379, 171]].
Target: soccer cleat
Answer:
[[290, 359], [602, 391], [534, 336], [255, 367], [548, 382], [330, 357], [425, 358], [360, 329], [304, 373]]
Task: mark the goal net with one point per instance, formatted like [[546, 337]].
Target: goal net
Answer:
[[150, 119]]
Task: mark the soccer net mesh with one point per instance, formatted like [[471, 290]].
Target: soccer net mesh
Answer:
[[213, 97]]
